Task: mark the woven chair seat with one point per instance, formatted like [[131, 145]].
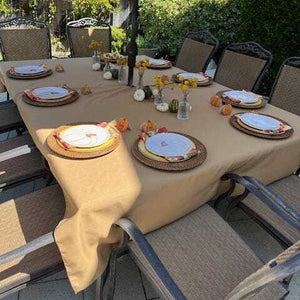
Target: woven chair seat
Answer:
[[9, 118], [21, 167], [289, 190], [22, 220], [204, 256]]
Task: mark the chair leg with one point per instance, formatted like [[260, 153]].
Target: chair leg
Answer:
[[225, 195], [234, 202], [50, 179], [7, 96]]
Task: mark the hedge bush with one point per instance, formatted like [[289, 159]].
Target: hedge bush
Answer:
[[272, 23]]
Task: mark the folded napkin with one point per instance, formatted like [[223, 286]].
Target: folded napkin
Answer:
[[236, 100]]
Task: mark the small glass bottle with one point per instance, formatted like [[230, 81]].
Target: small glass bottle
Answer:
[[122, 78], [107, 67], [140, 85], [95, 57], [184, 108], [158, 97]]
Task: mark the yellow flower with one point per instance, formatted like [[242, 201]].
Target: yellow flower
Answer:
[[185, 87]]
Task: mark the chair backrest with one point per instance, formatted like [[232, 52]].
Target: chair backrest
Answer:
[[81, 32], [278, 269], [285, 93], [243, 65], [24, 39], [196, 52]]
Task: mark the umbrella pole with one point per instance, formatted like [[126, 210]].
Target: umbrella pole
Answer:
[[132, 49]]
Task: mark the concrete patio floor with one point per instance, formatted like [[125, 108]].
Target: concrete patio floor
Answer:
[[131, 283]]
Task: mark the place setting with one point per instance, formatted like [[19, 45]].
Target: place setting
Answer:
[[242, 99], [160, 64], [261, 125], [84, 140], [202, 78], [50, 96], [29, 72], [169, 151]]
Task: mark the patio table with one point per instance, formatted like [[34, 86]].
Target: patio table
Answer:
[[100, 191]]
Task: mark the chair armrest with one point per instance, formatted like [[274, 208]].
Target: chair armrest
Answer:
[[148, 252], [36, 244], [268, 197]]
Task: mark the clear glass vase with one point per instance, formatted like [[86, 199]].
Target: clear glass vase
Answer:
[[107, 67], [184, 108], [122, 78], [140, 85], [95, 57], [158, 97]]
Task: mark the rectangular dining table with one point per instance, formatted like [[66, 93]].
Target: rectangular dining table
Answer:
[[99, 191]]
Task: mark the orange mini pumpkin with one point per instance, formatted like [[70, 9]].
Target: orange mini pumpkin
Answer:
[[149, 126], [226, 110], [215, 101], [123, 125]]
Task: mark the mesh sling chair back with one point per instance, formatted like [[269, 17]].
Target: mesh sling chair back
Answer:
[[10, 119], [243, 65], [24, 39], [27, 248], [197, 257], [20, 162], [286, 90], [283, 195], [196, 52], [81, 32]]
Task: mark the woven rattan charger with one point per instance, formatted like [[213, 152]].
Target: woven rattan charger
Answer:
[[54, 144], [234, 122], [173, 166], [199, 83], [241, 105], [52, 103], [29, 77]]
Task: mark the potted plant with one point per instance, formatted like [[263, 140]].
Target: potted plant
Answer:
[[146, 47]]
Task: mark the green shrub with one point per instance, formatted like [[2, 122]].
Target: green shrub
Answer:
[[272, 23], [142, 42], [119, 39], [99, 9]]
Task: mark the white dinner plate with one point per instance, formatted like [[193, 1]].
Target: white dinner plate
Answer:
[[29, 70], [169, 144], [260, 122], [50, 92], [157, 62], [186, 75], [243, 96], [85, 136]]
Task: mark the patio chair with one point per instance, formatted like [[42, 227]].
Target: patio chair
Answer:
[[267, 213], [286, 90], [81, 32], [201, 257], [243, 65], [196, 52], [23, 222], [24, 39], [10, 118], [20, 162]]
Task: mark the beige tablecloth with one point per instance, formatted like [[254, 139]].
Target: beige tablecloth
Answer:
[[100, 191]]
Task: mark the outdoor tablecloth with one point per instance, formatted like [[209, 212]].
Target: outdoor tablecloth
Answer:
[[100, 191]]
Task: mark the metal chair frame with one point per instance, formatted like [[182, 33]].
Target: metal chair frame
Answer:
[[267, 196], [24, 21], [203, 37], [84, 23], [250, 49], [291, 61]]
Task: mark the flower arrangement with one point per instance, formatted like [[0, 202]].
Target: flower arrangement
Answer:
[[142, 65], [122, 61], [160, 81], [96, 46], [185, 84]]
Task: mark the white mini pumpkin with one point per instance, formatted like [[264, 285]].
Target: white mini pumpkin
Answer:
[[139, 95], [107, 75], [96, 67], [163, 107], [155, 92]]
